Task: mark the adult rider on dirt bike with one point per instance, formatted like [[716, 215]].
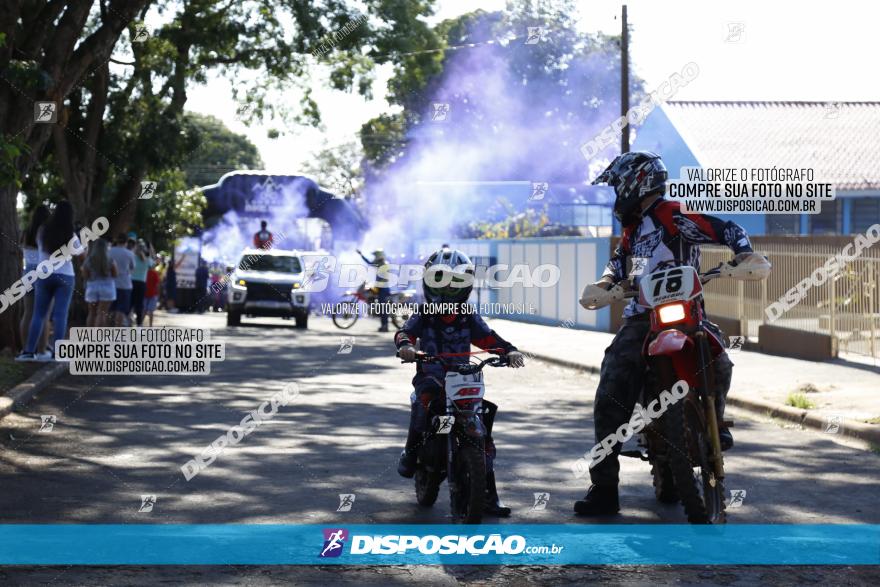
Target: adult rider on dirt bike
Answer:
[[656, 233], [451, 333]]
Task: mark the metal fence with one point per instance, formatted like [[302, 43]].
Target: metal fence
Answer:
[[846, 307]]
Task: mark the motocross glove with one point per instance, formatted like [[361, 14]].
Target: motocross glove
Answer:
[[516, 359]]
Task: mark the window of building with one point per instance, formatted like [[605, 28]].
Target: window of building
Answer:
[[828, 220], [783, 224], [865, 212]]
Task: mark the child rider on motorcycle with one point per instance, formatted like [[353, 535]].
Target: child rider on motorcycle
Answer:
[[454, 332], [658, 234]]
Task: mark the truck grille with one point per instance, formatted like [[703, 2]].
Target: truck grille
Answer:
[[269, 292]]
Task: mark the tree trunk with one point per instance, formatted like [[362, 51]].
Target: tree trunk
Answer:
[[126, 202], [10, 266], [66, 58]]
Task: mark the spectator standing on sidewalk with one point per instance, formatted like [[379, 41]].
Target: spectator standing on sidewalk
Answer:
[[151, 299], [99, 272], [31, 259], [57, 288], [171, 286], [124, 260], [143, 260]]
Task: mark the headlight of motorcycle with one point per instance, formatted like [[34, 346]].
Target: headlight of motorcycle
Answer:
[[670, 313]]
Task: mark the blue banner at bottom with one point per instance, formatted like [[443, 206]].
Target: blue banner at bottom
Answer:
[[510, 544]]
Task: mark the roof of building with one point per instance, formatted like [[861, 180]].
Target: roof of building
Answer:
[[839, 140]]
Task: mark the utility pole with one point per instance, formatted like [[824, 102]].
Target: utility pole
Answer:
[[624, 81]]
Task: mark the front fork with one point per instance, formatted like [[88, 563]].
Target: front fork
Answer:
[[467, 425], [708, 400]]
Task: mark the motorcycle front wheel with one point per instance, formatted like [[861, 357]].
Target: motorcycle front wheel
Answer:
[[427, 486], [468, 495], [701, 494]]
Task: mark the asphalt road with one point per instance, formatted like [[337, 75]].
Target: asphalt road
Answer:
[[117, 438]]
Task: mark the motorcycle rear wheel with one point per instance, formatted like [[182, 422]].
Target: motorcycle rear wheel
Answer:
[[468, 497]]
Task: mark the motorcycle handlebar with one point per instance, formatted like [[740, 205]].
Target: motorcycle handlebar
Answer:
[[705, 277], [498, 361]]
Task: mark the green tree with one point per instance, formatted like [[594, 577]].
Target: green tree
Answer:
[[220, 151], [338, 169], [117, 129]]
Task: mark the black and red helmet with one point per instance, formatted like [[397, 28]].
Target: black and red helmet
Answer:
[[634, 176]]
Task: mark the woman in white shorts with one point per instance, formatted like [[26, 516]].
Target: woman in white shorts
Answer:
[[99, 273]]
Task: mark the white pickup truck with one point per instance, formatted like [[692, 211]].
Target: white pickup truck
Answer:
[[268, 283]]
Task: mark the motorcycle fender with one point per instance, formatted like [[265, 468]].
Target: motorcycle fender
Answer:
[[668, 342], [678, 348]]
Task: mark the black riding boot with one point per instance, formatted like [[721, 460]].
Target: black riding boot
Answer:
[[601, 500], [406, 464], [492, 505]]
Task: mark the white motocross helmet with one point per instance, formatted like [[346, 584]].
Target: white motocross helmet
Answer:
[[448, 277]]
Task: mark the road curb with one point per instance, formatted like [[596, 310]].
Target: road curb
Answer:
[[805, 418], [561, 362], [22, 393]]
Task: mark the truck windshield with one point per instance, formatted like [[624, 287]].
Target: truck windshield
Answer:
[[270, 263]]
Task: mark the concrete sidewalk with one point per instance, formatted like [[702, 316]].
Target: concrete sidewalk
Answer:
[[840, 392]]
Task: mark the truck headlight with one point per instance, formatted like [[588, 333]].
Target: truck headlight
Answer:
[[296, 286]]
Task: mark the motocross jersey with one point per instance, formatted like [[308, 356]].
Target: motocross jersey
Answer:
[[452, 333], [667, 237]]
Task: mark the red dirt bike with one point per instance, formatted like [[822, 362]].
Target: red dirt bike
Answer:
[[355, 301], [453, 445], [679, 347]]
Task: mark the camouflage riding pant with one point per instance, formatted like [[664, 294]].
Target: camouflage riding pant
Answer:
[[622, 376]]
